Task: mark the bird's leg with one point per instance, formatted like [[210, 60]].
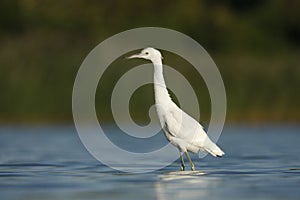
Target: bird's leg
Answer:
[[182, 162], [191, 163]]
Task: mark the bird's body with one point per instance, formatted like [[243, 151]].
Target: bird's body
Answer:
[[180, 129]]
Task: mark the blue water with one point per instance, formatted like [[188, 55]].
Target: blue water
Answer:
[[261, 162]]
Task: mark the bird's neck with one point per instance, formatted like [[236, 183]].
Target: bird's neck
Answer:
[[160, 90]]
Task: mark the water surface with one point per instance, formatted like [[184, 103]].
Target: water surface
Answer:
[[261, 162]]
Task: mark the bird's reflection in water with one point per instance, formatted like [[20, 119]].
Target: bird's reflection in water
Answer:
[[185, 185]]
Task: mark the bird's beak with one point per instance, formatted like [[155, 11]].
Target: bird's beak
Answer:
[[134, 56]]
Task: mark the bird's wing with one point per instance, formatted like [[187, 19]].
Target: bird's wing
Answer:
[[167, 129], [188, 132], [180, 123]]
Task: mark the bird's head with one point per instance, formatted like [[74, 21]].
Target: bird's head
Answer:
[[148, 53]]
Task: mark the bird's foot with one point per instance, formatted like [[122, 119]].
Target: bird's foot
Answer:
[[182, 168], [192, 167]]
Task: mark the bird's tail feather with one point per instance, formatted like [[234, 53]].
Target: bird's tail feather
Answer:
[[214, 150]]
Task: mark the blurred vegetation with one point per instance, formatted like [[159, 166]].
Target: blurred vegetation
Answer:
[[255, 44]]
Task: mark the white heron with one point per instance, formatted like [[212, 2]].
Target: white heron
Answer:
[[180, 129]]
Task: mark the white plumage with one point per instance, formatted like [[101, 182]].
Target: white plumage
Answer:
[[181, 130]]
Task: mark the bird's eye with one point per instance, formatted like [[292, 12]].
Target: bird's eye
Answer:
[[147, 53]]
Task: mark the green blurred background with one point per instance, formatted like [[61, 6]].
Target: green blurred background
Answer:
[[255, 44]]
